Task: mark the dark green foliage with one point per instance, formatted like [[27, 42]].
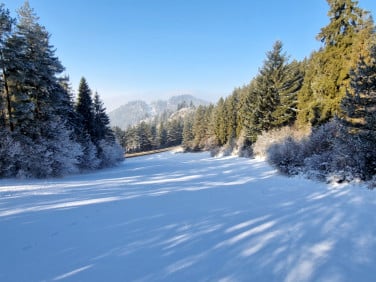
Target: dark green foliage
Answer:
[[161, 136], [327, 78], [271, 101], [275, 91], [188, 135], [85, 107], [175, 132], [6, 23], [102, 129], [359, 113], [144, 137]]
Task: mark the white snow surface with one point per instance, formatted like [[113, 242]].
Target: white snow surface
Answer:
[[186, 217]]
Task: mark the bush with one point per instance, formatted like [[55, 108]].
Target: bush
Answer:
[[329, 153], [10, 151], [110, 153], [278, 136]]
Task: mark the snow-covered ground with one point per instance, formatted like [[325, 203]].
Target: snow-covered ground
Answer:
[[186, 217]]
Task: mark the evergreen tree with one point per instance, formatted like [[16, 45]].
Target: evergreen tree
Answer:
[[359, 118], [188, 131], [102, 129], [132, 140], [291, 82], [120, 136], [38, 78], [231, 117], [85, 108], [248, 106], [6, 23], [274, 92], [199, 127], [218, 122], [325, 85], [161, 135], [175, 132], [144, 136]]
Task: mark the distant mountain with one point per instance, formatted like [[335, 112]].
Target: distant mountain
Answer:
[[134, 112]]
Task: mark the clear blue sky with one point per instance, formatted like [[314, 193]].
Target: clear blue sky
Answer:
[[151, 49]]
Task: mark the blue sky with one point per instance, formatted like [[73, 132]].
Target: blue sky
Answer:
[[154, 49]]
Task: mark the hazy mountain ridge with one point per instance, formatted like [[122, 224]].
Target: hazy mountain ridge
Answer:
[[134, 112]]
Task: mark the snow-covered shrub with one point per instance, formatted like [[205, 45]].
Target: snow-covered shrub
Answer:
[[65, 152], [267, 139], [35, 160], [241, 147], [224, 151], [354, 156], [10, 152], [329, 153], [88, 160], [292, 151], [110, 153], [287, 155], [52, 153]]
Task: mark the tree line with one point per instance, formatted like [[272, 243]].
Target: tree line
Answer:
[[43, 131], [162, 131], [327, 100]]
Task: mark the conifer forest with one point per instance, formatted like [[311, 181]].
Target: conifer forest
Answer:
[[316, 116], [43, 131]]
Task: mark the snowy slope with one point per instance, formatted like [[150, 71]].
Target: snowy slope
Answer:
[[186, 217]]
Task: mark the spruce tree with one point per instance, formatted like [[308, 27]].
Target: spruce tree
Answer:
[[85, 108], [144, 136], [199, 127], [291, 82], [6, 24], [39, 75], [218, 122], [325, 85], [102, 129], [274, 92], [188, 131], [248, 106], [31, 76], [161, 135]]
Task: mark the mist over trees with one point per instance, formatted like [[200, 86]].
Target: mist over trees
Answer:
[[43, 132]]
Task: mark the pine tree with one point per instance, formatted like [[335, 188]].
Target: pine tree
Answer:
[[6, 23], [188, 131], [248, 106], [199, 127], [102, 129], [39, 75], [291, 82], [132, 140], [359, 118], [85, 108], [35, 112], [274, 92], [326, 83], [144, 136], [161, 135], [175, 132], [218, 122]]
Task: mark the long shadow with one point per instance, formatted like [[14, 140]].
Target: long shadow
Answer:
[[186, 218]]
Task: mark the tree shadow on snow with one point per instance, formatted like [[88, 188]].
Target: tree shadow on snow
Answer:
[[186, 217]]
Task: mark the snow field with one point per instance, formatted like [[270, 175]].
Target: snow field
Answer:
[[186, 217]]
